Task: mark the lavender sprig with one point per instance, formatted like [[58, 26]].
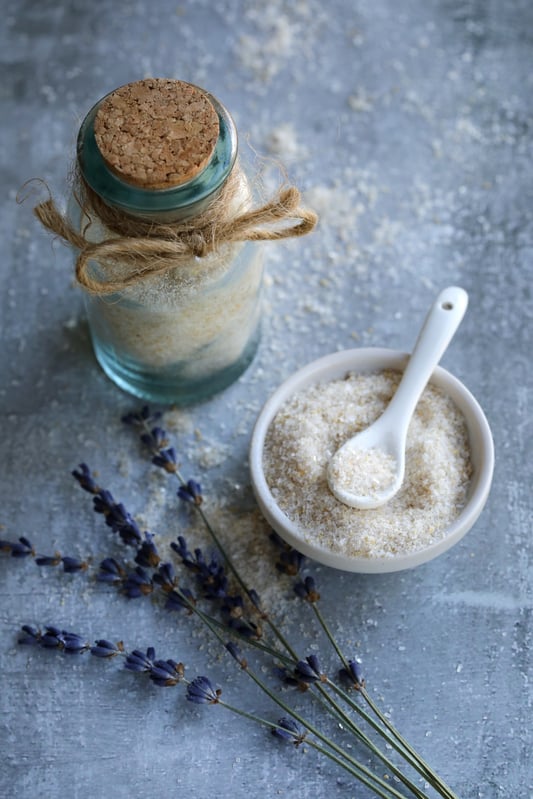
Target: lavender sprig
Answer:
[[164, 673], [200, 690], [115, 514], [23, 548], [213, 576], [351, 672]]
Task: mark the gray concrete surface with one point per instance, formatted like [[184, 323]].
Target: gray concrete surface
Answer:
[[408, 126]]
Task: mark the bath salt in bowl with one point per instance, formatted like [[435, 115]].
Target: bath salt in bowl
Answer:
[[449, 463]]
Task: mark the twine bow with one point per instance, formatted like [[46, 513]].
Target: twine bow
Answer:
[[145, 249]]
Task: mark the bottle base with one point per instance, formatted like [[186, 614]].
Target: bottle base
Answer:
[[171, 386]]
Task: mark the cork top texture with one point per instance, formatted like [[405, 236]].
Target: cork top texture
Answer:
[[156, 133]]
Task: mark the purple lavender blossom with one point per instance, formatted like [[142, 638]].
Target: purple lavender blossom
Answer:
[[181, 600], [306, 589], [156, 440], [147, 554], [180, 548], [140, 661], [166, 673], [31, 635], [165, 577], [74, 643], [85, 478], [210, 574], [18, 549], [255, 599], [202, 692], [353, 675], [166, 459], [191, 491], [290, 562], [308, 671], [106, 649], [48, 560], [235, 652], [138, 583], [55, 638], [73, 565], [118, 518], [288, 730], [111, 571]]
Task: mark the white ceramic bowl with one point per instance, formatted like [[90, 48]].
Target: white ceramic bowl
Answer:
[[335, 366]]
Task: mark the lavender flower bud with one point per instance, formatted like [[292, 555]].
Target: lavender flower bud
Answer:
[[166, 673], [180, 548], [288, 730], [74, 643], [110, 571], [233, 607], [166, 577], [54, 638], [166, 459], [191, 492], [178, 601], [290, 562], [139, 661], [255, 599], [17, 549], [86, 479], [138, 584], [147, 554], [73, 565], [106, 649], [235, 652], [306, 590], [118, 518], [49, 560], [156, 439], [286, 676], [51, 638], [202, 692], [31, 636], [353, 675], [246, 629], [103, 502], [308, 671]]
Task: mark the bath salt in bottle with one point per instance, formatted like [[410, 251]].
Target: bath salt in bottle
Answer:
[[163, 222]]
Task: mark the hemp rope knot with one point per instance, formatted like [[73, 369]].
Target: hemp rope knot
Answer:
[[145, 249]]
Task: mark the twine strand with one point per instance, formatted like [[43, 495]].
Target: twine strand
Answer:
[[145, 249]]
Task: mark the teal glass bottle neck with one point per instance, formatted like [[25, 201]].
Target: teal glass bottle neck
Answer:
[[183, 201]]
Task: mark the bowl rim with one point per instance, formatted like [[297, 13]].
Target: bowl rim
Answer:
[[368, 359]]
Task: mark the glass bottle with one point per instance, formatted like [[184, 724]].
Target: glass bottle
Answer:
[[181, 335]]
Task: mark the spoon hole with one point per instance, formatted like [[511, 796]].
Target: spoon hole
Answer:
[[447, 306]]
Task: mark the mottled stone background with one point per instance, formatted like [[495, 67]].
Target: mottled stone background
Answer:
[[408, 126]]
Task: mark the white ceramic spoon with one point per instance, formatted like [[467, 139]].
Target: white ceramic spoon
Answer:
[[368, 470]]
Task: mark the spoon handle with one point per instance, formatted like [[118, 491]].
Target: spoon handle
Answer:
[[442, 320]]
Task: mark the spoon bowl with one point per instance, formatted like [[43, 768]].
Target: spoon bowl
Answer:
[[366, 360], [368, 470]]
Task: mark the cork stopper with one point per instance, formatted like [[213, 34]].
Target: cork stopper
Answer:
[[156, 133]]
